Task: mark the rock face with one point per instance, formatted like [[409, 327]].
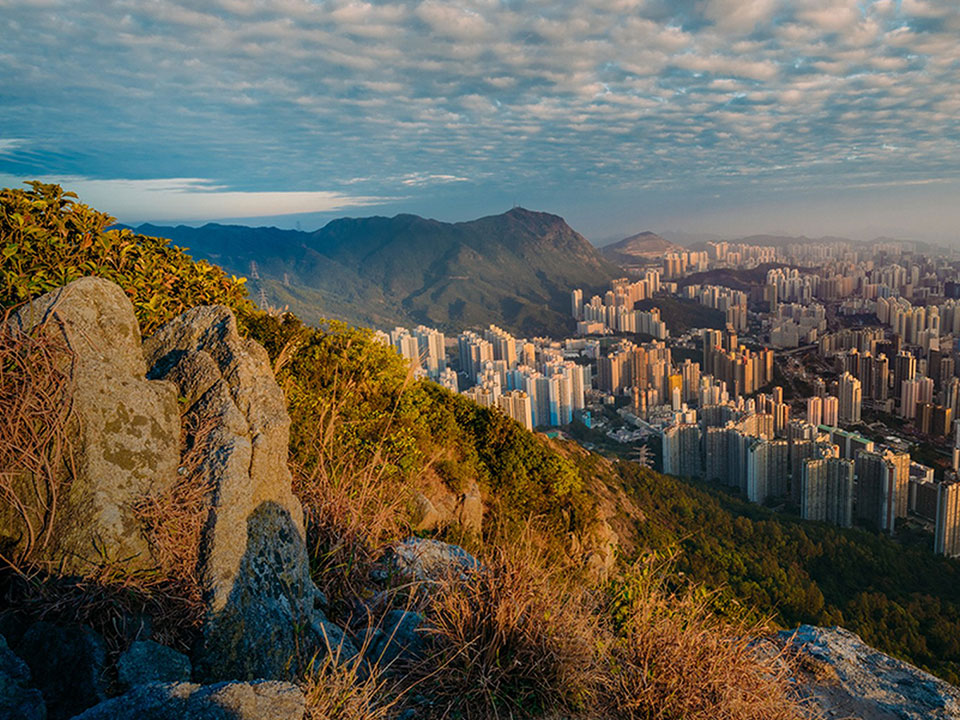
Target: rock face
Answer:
[[419, 560], [438, 508], [263, 618], [266, 700], [17, 700], [845, 678], [128, 432]]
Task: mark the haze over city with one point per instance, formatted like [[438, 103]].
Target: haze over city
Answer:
[[722, 117]]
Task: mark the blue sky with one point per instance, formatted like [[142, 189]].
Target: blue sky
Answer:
[[721, 116]]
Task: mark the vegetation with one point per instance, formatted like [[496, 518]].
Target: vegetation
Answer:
[[681, 315], [902, 600], [47, 239]]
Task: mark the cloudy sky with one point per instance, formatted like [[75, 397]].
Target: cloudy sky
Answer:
[[706, 116]]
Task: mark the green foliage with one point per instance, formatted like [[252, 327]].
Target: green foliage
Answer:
[[47, 240], [901, 599], [384, 415]]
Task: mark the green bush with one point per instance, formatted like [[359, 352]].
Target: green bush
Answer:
[[48, 240]]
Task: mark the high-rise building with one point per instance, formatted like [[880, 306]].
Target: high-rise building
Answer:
[[474, 352], [432, 348], [681, 450], [831, 411], [576, 304], [947, 534], [877, 490], [850, 399], [826, 490], [814, 410], [516, 404], [767, 469]]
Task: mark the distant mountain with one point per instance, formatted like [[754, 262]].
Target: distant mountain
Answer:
[[516, 269], [638, 249]]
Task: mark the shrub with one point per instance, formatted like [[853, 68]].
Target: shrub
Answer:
[[47, 240]]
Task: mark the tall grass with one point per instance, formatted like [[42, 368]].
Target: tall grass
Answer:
[[672, 658]]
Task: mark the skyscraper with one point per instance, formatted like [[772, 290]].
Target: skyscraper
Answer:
[[946, 539], [850, 399], [826, 491]]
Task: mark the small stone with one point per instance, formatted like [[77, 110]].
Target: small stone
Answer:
[[397, 639]]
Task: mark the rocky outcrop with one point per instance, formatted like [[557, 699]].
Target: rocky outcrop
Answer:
[[437, 507], [128, 435], [422, 561], [263, 616], [843, 677], [266, 700]]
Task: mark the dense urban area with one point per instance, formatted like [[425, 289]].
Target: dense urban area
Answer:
[[819, 379]]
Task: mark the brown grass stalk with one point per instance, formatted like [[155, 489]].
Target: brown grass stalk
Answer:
[[36, 420]]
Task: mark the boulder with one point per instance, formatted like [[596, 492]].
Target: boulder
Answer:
[[843, 677], [263, 700], [68, 665], [263, 619], [148, 662], [127, 442], [18, 701], [421, 560]]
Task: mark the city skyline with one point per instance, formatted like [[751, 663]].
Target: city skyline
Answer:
[[815, 118]]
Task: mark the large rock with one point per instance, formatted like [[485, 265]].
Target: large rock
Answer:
[[127, 444], [426, 562], [18, 701], [263, 618], [264, 700], [147, 662], [845, 678], [68, 664]]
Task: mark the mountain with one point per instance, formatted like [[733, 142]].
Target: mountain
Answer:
[[515, 269], [638, 249]]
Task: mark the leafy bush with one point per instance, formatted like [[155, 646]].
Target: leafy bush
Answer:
[[47, 240]]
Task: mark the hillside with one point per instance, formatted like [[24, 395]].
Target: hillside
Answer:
[[277, 507], [638, 249], [514, 269]]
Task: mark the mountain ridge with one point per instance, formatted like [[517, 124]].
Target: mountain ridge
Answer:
[[515, 269]]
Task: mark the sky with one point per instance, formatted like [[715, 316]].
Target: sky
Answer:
[[728, 117]]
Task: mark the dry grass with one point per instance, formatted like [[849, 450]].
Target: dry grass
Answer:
[[353, 508], [672, 659], [36, 457], [173, 523], [517, 638], [338, 690]]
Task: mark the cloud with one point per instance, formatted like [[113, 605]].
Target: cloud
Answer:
[[191, 199], [8, 145], [423, 96]]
